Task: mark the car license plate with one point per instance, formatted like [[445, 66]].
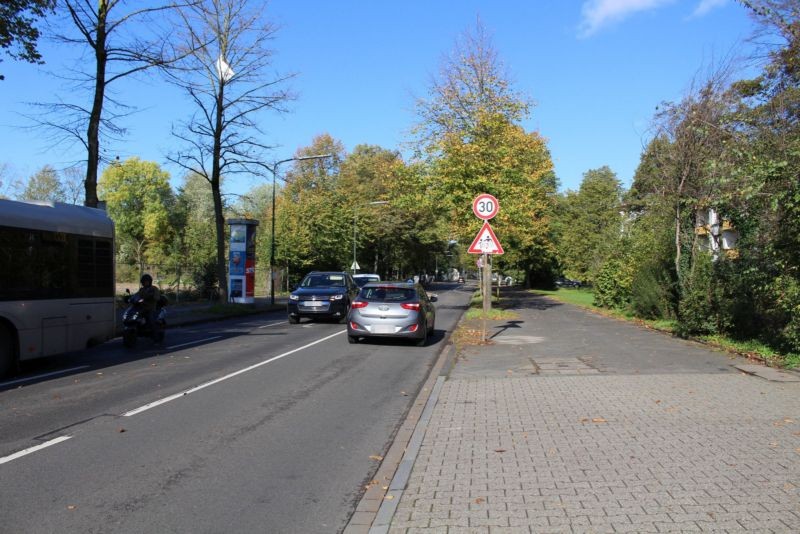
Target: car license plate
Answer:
[[313, 303], [383, 329]]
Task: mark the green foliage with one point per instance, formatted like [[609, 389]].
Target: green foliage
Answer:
[[649, 294], [45, 186], [139, 199], [612, 286], [590, 224], [697, 311], [193, 248], [18, 34]]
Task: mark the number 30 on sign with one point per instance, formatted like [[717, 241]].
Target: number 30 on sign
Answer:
[[485, 206]]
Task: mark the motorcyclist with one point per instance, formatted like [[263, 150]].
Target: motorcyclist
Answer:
[[149, 295]]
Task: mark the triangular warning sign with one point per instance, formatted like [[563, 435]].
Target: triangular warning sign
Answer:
[[485, 242]]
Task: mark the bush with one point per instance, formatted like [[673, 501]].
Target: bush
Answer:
[[649, 294], [612, 286], [205, 279], [697, 312]]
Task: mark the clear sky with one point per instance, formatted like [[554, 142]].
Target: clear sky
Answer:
[[595, 69]]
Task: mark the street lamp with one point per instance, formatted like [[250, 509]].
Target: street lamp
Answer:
[[274, 171], [355, 216]]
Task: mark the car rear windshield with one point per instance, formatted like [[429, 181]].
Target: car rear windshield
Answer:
[[323, 280], [388, 294]]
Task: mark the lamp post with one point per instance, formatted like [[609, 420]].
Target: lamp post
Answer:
[[355, 216], [274, 171]]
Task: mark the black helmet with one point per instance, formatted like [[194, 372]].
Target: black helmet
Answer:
[[146, 278]]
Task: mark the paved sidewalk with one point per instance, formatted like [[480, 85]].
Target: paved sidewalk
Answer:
[[572, 422]]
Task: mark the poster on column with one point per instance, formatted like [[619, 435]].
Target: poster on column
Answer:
[[250, 262]]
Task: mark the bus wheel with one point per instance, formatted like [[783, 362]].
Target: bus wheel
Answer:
[[7, 359]]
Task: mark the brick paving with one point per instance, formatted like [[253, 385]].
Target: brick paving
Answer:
[[570, 451]]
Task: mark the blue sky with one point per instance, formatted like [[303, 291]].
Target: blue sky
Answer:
[[595, 69]]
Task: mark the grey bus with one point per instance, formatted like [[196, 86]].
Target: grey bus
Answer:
[[57, 289]]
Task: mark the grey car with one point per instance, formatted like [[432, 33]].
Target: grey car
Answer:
[[392, 310]]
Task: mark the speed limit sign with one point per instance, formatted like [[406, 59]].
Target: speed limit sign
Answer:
[[485, 206]]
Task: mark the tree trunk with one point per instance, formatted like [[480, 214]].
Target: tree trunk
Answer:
[[219, 216], [93, 130]]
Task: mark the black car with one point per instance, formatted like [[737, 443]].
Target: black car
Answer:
[[566, 282], [325, 295]]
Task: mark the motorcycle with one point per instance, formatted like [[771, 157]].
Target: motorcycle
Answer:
[[135, 324]]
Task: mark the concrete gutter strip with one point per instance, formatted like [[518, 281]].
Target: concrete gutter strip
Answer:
[[389, 506]]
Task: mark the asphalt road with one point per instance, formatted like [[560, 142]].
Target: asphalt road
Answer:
[[246, 425]]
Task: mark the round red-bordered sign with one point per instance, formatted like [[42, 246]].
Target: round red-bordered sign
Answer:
[[485, 206]]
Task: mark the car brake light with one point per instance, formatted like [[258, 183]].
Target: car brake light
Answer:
[[358, 304], [413, 328], [410, 306]]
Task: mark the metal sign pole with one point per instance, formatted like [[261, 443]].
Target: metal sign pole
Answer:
[[487, 292]]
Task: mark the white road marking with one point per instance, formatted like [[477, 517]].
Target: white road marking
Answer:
[[273, 324], [30, 450], [195, 342], [37, 377], [226, 377]]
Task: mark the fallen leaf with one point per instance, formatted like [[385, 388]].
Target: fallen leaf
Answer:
[[121, 430], [71, 507], [403, 393], [599, 420], [584, 420], [376, 457], [658, 402], [480, 500], [389, 497], [773, 444], [499, 450]]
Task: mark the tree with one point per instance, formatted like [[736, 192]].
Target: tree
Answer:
[[18, 33], [139, 200], [688, 152], [72, 180], [590, 224], [469, 128], [44, 185], [9, 186], [312, 215], [192, 250], [472, 82], [225, 74], [123, 42], [501, 159]]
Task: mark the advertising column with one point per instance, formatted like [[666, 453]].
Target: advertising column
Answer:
[[242, 264]]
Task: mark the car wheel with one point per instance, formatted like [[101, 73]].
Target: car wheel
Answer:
[[352, 339], [421, 341], [294, 320]]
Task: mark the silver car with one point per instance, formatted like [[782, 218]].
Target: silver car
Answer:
[[392, 309]]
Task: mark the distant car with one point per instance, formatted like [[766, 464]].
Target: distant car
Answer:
[[324, 295], [362, 279], [392, 310], [566, 282]]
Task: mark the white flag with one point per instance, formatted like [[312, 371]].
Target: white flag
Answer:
[[224, 71]]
